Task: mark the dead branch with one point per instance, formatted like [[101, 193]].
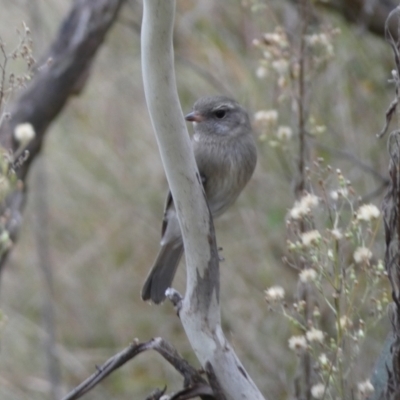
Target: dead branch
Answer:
[[62, 73], [194, 384]]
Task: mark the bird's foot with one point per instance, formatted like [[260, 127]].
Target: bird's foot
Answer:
[[220, 257], [175, 297]]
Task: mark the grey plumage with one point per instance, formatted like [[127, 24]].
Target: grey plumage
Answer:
[[226, 157]]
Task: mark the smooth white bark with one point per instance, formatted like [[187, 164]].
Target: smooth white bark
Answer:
[[200, 312]]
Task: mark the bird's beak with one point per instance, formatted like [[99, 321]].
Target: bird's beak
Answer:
[[194, 116]]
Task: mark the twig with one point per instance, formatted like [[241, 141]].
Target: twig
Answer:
[[194, 384], [3, 67], [106, 369], [301, 102], [354, 160]]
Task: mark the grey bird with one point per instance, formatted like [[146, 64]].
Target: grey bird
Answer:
[[226, 157]]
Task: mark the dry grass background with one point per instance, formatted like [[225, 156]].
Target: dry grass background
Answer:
[[106, 188]]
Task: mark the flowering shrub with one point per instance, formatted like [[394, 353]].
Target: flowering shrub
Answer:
[[335, 261]]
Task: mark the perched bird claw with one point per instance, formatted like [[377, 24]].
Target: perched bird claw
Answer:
[[176, 299], [220, 256]]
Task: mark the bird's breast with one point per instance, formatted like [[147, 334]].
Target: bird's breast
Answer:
[[227, 166]]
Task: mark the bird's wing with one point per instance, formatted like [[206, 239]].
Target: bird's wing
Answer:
[[169, 206], [169, 203]]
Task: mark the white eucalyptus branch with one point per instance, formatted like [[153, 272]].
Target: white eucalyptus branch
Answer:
[[199, 311]]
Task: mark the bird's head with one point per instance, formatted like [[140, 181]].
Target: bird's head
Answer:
[[219, 115]]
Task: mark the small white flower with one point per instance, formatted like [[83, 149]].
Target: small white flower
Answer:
[[303, 206], [334, 195], [272, 38], [4, 186], [318, 38], [362, 255], [273, 143], [312, 39], [323, 359], [299, 210], [319, 129], [337, 234], [318, 391], [261, 72], [365, 389], [277, 38], [315, 335], [308, 275], [284, 133], [267, 55], [274, 294], [322, 40], [345, 322], [280, 66], [367, 212], [310, 238], [24, 133], [267, 117], [310, 200], [297, 343], [282, 81]]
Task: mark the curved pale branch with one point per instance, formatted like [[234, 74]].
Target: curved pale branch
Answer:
[[199, 311]]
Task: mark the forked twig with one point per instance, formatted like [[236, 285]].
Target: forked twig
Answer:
[[194, 384]]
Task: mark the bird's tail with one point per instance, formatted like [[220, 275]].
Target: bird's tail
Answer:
[[162, 274]]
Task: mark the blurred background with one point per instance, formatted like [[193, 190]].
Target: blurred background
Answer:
[[101, 181]]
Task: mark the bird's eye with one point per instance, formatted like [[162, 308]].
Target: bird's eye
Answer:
[[220, 113]]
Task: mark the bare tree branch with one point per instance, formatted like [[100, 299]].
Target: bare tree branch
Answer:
[[194, 384], [199, 311], [62, 73]]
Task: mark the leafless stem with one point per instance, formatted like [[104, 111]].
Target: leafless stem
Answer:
[[301, 101], [3, 68], [194, 384]]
